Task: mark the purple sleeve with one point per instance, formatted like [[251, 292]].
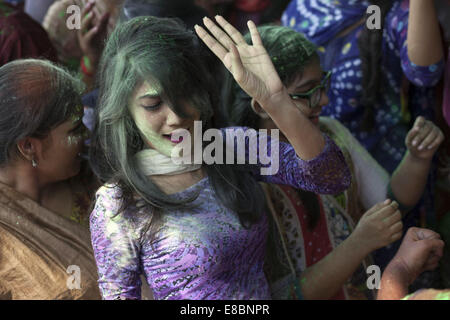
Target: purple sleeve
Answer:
[[116, 249], [396, 35], [277, 162]]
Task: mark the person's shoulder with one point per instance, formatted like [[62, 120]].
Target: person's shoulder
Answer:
[[109, 196], [109, 189]]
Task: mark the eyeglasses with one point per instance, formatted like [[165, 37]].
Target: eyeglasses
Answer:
[[315, 93]]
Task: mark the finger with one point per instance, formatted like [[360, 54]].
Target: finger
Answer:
[[393, 219], [411, 135], [218, 33], [377, 207], [394, 205], [396, 227], [437, 141], [88, 8], [435, 248], [211, 43], [396, 236], [433, 260], [429, 266], [256, 38], [98, 12], [231, 31], [91, 33], [419, 122], [424, 131], [87, 22], [237, 69], [427, 233], [429, 139], [385, 212]]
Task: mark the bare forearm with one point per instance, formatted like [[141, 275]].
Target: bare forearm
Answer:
[[326, 277], [394, 284], [409, 179], [303, 135], [424, 37]]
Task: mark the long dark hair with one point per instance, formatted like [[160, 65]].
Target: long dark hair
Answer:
[[161, 50], [290, 53], [370, 47]]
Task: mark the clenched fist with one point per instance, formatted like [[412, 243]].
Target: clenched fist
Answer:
[[380, 225]]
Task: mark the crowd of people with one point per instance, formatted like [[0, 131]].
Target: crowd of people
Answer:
[[96, 204]]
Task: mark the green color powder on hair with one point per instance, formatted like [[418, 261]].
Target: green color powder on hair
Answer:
[[289, 50]]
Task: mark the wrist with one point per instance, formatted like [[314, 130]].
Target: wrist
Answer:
[[397, 269], [87, 66], [275, 100], [417, 160], [357, 244]]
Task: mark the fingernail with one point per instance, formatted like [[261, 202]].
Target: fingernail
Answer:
[[387, 201], [420, 147], [414, 142], [430, 147]]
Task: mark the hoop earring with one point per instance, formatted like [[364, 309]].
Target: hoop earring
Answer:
[[33, 163]]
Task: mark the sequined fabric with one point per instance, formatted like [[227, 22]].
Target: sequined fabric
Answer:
[[201, 252]]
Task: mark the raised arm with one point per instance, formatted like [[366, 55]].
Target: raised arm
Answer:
[[424, 37], [409, 179], [416, 36], [253, 70], [277, 162]]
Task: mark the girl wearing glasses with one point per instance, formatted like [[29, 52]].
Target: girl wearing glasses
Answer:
[[383, 77], [329, 238], [195, 231]]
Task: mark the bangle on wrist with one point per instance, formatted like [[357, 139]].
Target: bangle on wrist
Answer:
[[86, 67]]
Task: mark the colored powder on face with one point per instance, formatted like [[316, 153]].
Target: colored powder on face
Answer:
[[74, 140], [158, 142], [152, 92]]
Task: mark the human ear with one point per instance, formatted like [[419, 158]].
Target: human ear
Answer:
[[30, 148], [259, 110]]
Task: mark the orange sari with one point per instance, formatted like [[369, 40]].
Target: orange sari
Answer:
[[43, 255]]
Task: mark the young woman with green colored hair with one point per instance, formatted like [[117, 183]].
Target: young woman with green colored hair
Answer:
[[327, 236], [195, 231]]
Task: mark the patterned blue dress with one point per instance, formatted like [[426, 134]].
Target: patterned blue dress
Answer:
[[321, 21]]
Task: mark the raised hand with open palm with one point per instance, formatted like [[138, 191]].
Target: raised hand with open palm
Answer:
[[250, 65]]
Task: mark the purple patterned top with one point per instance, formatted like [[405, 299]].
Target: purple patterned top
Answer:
[[202, 252]]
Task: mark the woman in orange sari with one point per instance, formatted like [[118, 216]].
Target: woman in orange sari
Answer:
[[45, 250]]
